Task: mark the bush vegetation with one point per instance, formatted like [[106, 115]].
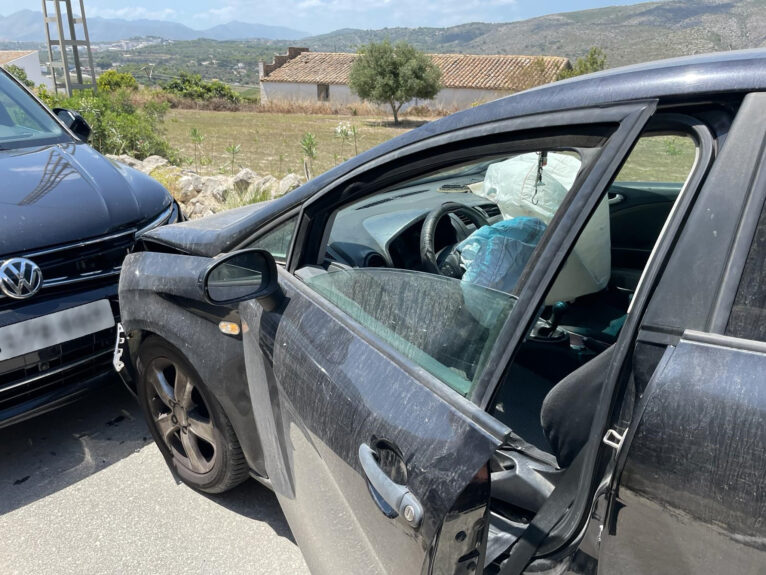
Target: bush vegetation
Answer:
[[193, 87], [594, 61], [120, 124], [20, 74]]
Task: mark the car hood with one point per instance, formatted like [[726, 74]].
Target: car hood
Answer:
[[214, 234], [64, 193]]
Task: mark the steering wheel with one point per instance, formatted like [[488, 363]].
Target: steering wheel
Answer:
[[447, 261]]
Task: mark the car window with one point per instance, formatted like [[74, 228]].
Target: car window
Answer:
[[582, 313], [659, 158], [23, 122], [444, 319], [748, 315], [277, 241], [440, 323]]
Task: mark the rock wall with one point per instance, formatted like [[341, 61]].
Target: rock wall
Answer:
[[201, 196]]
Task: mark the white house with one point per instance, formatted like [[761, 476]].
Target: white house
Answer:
[[301, 75], [27, 60]]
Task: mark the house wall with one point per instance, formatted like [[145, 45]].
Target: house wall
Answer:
[[298, 92], [31, 65], [447, 98]]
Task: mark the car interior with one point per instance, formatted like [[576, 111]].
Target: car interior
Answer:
[[431, 267]]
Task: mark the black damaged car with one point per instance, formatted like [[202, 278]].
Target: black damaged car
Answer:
[[68, 217], [527, 337]]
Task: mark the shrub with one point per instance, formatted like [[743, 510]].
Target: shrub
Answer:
[[594, 61], [112, 80], [20, 74], [192, 86], [119, 126]]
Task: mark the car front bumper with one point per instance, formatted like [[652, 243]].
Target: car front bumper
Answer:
[[37, 382]]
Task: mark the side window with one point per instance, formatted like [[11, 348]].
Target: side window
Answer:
[[748, 315], [277, 241], [641, 197], [430, 265]]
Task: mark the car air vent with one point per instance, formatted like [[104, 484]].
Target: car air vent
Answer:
[[491, 210], [463, 218]]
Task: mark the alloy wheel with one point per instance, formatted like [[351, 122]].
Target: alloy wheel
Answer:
[[181, 416]]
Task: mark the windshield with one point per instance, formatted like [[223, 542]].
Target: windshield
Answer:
[[23, 122]]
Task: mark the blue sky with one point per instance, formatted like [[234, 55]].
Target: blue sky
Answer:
[[317, 16]]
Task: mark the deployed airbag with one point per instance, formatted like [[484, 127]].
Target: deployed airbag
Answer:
[[535, 185], [494, 256]]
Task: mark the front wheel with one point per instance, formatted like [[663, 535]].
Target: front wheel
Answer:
[[187, 423]]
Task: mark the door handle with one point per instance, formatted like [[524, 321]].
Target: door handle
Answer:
[[614, 198], [396, 496]]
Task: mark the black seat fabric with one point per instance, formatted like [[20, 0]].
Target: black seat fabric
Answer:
[[568, 409]]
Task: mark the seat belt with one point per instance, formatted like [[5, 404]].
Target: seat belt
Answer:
[[551, 512]]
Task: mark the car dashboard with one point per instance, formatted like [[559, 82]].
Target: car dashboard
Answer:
[[384, 230]]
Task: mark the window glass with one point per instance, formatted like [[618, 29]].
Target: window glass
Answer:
[[641, 197], [23, 122], [748, 315], [441, 323], [277, 241], [431, 265], [659, 158]]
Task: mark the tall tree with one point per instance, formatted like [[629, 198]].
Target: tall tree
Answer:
[[394, 74]]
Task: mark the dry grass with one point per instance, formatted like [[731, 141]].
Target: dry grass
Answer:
[[270, 142]]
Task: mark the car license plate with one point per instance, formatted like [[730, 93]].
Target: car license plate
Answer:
[[44, 331]]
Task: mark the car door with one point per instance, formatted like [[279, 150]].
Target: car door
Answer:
[[689, 489], [350, 423]]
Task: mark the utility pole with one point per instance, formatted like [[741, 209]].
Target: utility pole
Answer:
[[63, 42]]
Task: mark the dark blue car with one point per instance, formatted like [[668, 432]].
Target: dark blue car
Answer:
[[68, 217], [528, 337]]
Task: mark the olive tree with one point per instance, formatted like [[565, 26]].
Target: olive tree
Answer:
[[393, 74]]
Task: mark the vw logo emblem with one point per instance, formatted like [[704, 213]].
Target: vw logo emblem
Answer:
[[20, 278]]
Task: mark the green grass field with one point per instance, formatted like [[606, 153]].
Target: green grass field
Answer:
[[270, 143]]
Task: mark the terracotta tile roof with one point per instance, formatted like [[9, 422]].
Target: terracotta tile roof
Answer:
[[8, 56], [487, 72]]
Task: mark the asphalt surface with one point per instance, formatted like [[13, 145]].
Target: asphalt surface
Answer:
[[85, 490]]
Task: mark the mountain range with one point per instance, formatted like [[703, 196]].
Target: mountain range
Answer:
[[27, 26], [627, 34]]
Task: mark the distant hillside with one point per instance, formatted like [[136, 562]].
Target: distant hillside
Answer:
[[27, 26], [628, 34]]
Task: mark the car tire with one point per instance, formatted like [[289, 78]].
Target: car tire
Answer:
[[187, 422]]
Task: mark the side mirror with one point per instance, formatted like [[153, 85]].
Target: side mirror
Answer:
[[75, 122], [243, 275]]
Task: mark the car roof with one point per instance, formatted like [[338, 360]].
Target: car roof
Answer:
[[689, 77]]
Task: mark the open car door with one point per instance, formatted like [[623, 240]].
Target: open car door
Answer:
[[379, 466]]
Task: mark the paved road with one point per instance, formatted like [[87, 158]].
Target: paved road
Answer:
[[85, 490]]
